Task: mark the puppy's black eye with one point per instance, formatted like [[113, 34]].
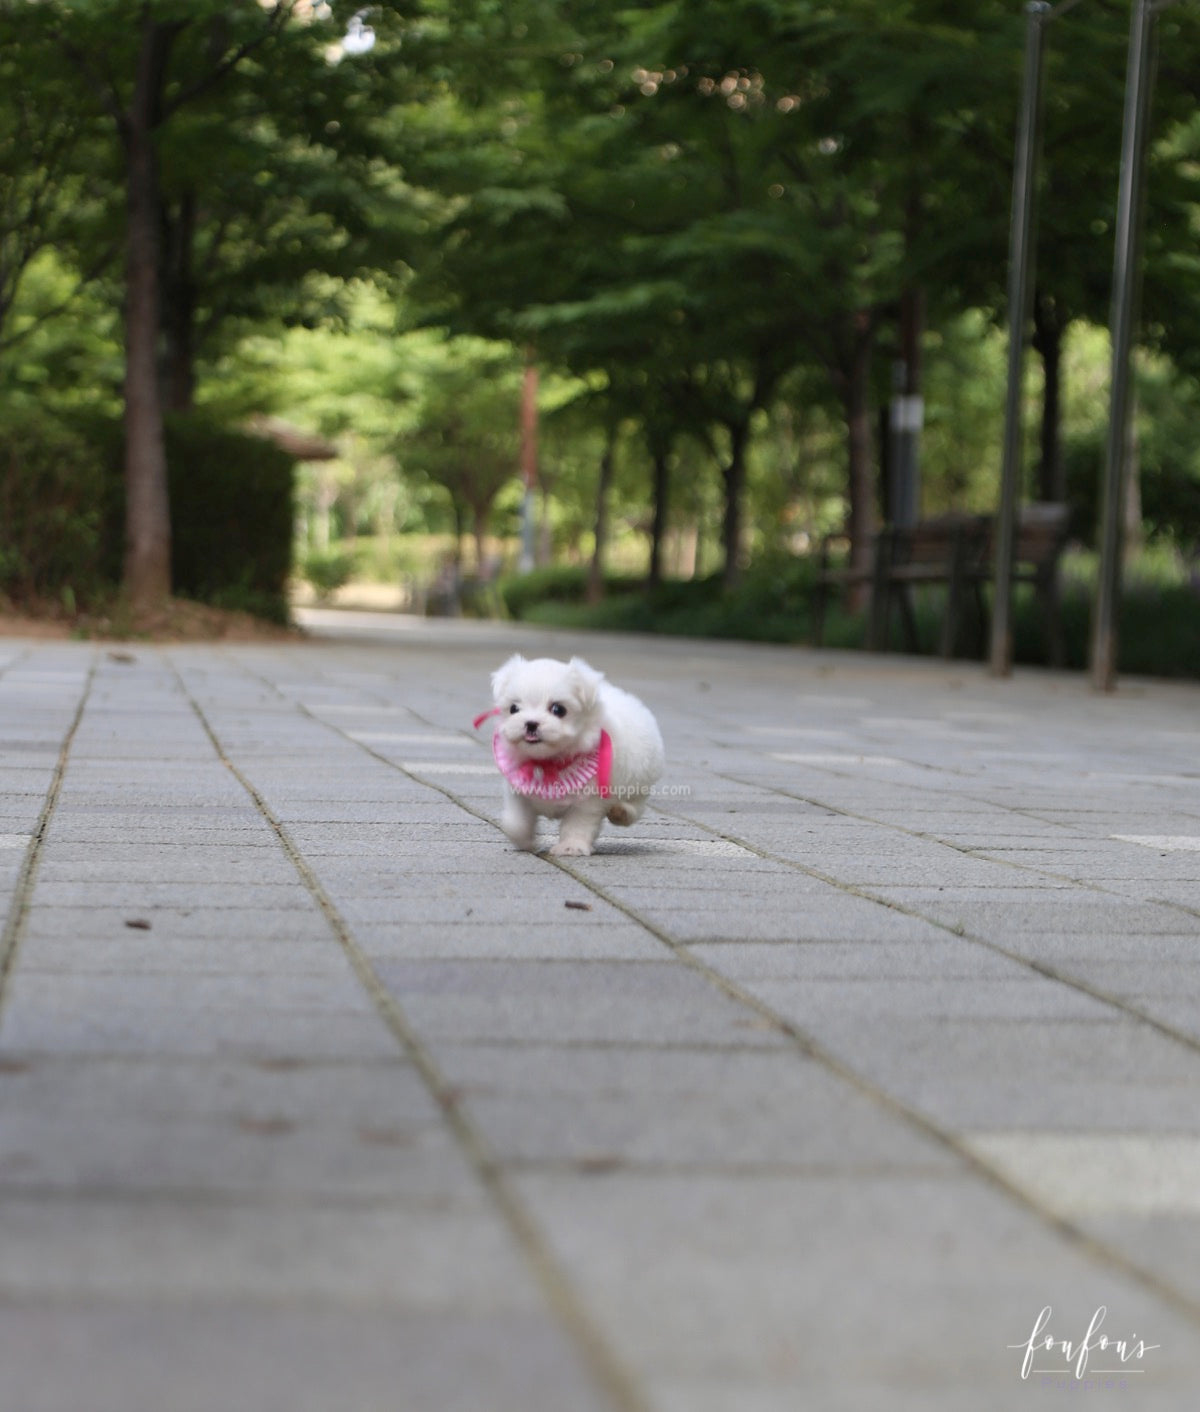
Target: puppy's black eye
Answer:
[[513, 709], [557, 709]]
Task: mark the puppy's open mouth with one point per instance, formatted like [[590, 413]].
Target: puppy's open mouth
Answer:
[[532, 735]]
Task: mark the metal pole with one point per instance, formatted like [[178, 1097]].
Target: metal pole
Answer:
[[1020, 288], [1139, 82]]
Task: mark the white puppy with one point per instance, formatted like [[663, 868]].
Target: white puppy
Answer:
[[571, 746]]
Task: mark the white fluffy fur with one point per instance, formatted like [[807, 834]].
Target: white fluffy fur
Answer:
[[536, 732]]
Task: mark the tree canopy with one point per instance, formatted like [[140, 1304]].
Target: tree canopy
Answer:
[[722, 217]]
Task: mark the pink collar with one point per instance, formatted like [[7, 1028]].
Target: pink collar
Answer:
[[553, 779]]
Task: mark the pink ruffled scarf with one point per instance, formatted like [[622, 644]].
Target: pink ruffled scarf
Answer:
[[553, 779]]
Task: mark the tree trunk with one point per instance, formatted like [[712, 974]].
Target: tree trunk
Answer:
[[595, 582], [660, 454], [1048, 344], [481, 515], [688, 565], [147, 513], [734, 477], [855, 386], [179, 309], [1133, 533], [326, 494]]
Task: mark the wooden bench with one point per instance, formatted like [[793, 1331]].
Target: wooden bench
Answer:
[[950, 550], [956, 550]]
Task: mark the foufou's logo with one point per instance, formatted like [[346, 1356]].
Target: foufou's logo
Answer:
[[1044, 1352]]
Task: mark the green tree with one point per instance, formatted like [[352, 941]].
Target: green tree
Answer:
[[465, 436], [145, 68]]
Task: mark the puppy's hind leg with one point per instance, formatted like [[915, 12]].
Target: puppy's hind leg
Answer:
[[519, 822]]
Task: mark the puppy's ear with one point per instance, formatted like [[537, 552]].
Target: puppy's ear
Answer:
[[586, 681], [502, 677]]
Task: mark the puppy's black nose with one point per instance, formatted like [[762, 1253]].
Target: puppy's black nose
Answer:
[[531, 728]]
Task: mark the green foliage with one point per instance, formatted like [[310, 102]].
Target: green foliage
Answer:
[[327, 571], [51, 492], [1167, 455], [465, 436], [697, 217], [1160, 631], [56, 192], [1169, 407], [268, 148]]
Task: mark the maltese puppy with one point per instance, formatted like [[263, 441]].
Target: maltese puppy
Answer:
[[571, 746]]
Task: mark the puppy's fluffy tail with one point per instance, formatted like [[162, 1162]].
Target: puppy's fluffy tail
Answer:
[[626, 811]]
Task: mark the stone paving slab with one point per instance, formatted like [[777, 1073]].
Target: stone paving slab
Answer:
[[196, 1357], [878, 1035]]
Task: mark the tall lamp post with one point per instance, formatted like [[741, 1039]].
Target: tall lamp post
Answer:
[[1038, 13], [1139, 84]]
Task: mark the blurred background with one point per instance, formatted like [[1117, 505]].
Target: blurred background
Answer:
[[595, 315]]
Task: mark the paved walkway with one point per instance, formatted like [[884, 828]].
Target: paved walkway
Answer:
[[878, 1036]]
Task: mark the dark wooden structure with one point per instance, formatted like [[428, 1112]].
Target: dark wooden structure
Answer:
[[956, 551]]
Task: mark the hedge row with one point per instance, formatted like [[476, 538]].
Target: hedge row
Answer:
[[62, 511]]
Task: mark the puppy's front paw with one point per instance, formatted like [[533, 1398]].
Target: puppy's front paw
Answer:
[[570, 848], [521, 829]]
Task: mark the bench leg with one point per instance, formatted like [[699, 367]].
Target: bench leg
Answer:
[[877, 617], [950, 618], [908, 618], [956, 582], [1048, 593], [818, 615], [983, 623], [880, 611]]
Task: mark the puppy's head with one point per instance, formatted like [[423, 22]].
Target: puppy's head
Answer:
[[548, 709]]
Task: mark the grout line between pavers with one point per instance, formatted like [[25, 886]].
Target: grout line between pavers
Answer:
[[1077, 1235], [1045, 969], [1192, 912], [14, 925], [609, 1372], [963, 849], [1090, 1245]]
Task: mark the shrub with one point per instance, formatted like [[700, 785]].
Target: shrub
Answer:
[[231, 517], [51, 497], [328, 570], [556, 583]]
